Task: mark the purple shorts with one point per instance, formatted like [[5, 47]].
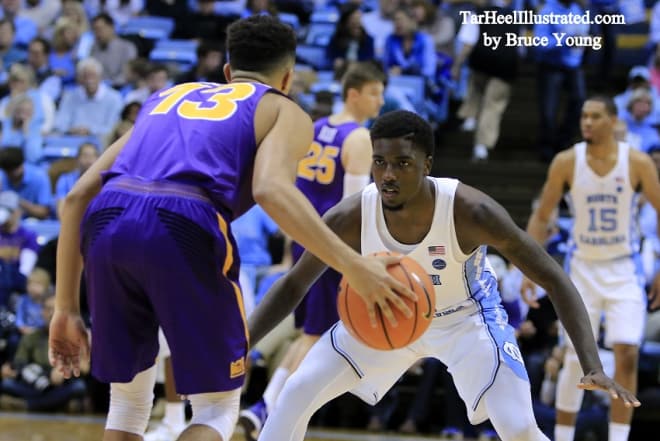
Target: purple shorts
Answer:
[[159, 254], [317, 311]]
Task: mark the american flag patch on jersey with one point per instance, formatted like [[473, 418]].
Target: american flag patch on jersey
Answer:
[[436, 250]]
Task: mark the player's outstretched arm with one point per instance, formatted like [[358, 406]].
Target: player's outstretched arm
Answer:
[[68, 340], [288, 291], [481, 220], [284, 132]]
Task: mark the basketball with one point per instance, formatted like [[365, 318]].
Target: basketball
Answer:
[[353, 310]]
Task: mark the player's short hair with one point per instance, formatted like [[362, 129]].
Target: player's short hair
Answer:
[[260, 43], [11, 158], [404, 124], [608, 102], [360, 74]]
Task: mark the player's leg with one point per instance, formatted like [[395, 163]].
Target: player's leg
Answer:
[[625, 316], [124, 326], [509, 405], [569, 397], [200, 308], [218, 411]]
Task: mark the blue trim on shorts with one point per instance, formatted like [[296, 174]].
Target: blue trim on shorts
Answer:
[[343, 353]]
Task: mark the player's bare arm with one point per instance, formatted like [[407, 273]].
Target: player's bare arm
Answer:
[[481, 220], [68, 336], [282, 144], [356, 158], [285, 294], [644, 175]]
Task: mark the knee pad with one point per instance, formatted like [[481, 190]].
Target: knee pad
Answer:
[[569, 396], [218, 410], [130, 403]]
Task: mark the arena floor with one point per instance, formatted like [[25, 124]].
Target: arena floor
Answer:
[[44, 427]]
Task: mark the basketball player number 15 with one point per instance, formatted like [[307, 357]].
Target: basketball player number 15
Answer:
[[603, 219]]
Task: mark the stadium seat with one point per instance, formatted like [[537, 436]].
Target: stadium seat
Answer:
[[64, 146], [149, 27], [325, 15], [312, 55], [182, 55], [319, 33], [176, 44], [290, 19], [45, 229], [325, 75], [412, 85]]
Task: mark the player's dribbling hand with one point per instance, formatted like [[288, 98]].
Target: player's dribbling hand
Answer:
[[528, 293], [68, 343], [598, 380], [369, 277]]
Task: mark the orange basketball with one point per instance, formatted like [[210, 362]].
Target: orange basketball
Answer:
[[353, 310]]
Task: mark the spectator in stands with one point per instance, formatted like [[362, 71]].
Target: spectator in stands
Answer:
[[29, 306], [209, 64], [21, 83], [409, 51], [639, 77], [492, 75], [18, 247], [10, 53], [636, 115], [432, 20], [120, 10], [350, 42], [29, 181], [167, 8], [92, 108], [42, 12], [73, 10], [110, 50], [158, 77], [26, 29], [30, 377], [87, 154], [202, 24], [38, 59], [128, 116], [379, 23], [19, 129], [606, 9], [135, 73], [559, 68], [61, 58]]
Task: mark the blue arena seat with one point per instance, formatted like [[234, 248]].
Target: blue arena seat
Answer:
[[319, 33], [290, 19], [64, 146], [176, 44], [46, 229], [312, 55], [325, 15], [412, 85], [150, 27], [182, 56]]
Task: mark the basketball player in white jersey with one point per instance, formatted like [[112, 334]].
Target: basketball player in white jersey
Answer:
[[446, 226], [602, 179]]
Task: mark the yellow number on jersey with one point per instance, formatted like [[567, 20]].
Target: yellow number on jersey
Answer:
[[319, 164], [223, 97]]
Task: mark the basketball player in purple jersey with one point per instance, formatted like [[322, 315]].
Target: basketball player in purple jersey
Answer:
[[337, 165], [150, 219]]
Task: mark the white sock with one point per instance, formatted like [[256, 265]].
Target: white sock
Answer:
[[175, 414], [274, 387], [564, 433], [619, 432]]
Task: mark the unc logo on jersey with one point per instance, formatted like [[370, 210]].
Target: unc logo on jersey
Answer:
[[513, 351]]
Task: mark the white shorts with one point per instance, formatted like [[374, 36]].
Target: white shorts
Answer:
[[473, 345], [613, 290]]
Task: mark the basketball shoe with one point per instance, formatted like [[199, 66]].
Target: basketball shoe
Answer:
[[252, 419]]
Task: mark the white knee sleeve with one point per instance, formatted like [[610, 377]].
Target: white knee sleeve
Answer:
[[218, 410], [130, 403], [569, 396]]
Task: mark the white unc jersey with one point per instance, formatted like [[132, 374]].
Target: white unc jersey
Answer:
[[460, 280], [604, 209]]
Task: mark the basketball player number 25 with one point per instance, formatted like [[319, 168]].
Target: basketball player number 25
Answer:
[[319, 164], [219, 104], [603, 219]]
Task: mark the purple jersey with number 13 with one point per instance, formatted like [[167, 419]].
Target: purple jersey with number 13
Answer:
[[200, 134]]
